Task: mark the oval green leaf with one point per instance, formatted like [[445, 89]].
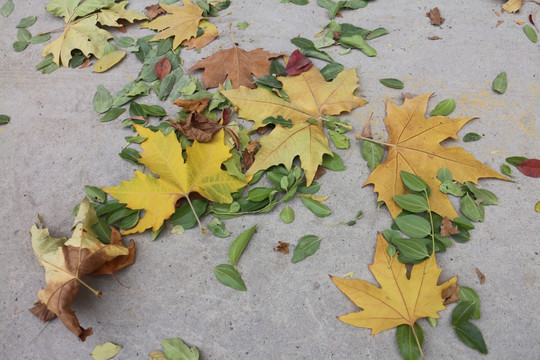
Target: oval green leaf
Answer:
[[124, 41], [469, 137], [462, 313], [109, 60], [500, 83], [330, 71], [95, 194], [4, 119], [287, 215], [112, 114], [471, 209], [19, 46], [468, 294], [102, 100], [106, 351], [471, 336], [531, 34], [176, 349], [307, 246], [392, 83], [24, 35], [316, 207], [229, 276], [339, 140], [239, 244], [413, 225], [445, 107], [260, 193], [487, 197], [372, 153], [119, 214], [412, 202], [334, 163], [413, 182], [414, 249], [408, 347], [39, 39], [505, 169], [444, 175], [515, 160], [27, 21], [8, 8], [218, 228]]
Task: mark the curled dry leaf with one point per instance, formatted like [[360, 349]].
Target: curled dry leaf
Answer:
[[67, 261], [197, 127], [512, 6], [408, 95], [435, 16], [283, 247], [153, 11], [451, 294], [192, 105], [298, 63], [320, 172], [447, 228], [366, 131], [110, 267], [434, 38], [481, 276], [249, 154]]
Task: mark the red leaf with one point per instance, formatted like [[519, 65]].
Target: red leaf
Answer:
[[530, 168], [162, 68], [225, 116], [298, 63]]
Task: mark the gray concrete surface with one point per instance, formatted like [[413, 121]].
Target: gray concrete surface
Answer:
[[54, 146]]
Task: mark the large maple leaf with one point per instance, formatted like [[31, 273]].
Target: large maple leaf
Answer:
[[236, 65], [181, 22], [414, 146], [200, 173], [67, 261], [311, 98], [398, 300], [81, 30]]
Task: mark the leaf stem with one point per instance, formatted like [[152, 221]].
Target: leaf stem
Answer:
[[97, 293], [360, 137], [203, 229], [432, 233], [418, 343], [51, 31]]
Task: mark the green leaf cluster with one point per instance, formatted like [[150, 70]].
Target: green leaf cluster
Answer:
[[468, 308], [24, 37], [335, 6], [175, 349]]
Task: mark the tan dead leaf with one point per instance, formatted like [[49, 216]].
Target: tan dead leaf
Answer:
[[499, 23], [481, 276], [408, 95], [283, 247], [320, 172], [236, 65], [512, 6], [447, 228], [435, 16], [451, 294], [197, 127], [153, 11], [120, 262], [192, 105], [248, 157], [434, 38]]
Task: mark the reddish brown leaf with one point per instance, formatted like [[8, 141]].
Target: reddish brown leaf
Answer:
[[153, 11], [197, 127], [122, 29], [451, 294], [282, 247], [320, 172], [481, 276], [262, 130], [236, 65], [119, 262], [162, 68], [499, 23], [435, 16], [225, 115], [366, 131], [41, 312], [434, 38], [532, 19], [298, 63], [249, 154], [530, 168], [447, 228], [86, 63], [192, 105]]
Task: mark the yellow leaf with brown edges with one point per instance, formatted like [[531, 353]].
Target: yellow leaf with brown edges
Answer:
[[414, 146], [201, 173], [210, 33], [399, 299]]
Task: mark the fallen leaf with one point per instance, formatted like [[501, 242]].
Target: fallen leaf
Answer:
[[537, 207], [153, 11], [311, 98], [200, 173], [236, 65], [512, 6], [106, 351], [248, 157], [181, 22], [108, 61], [532, 19], [109, 16], [435, 16], [197, 127], [298, 63], [398, 300], [408, 95], [434, 38], [162, 68], [176, 349], [499, 23], [519, 22], [451, 294], [210, 33], [320, 172], [530, 168], [366, 131], [481, 276], [282, 247], [66, 262], [447, 228], [414, 146], [197, 105], [119, 262]]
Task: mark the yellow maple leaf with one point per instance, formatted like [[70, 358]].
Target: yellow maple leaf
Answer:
[[311, 98], [414, 146], [200, 173], [398, 300], [111, 15], [512, 6], [210, 33], [182, 22]]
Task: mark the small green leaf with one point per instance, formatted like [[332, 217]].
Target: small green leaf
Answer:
[[119, 215], [515, 160], [505, 169], [472, 137], [166, 86], [340, 141], [500, 83], [108, 207], [7, 8], [392, 83], [124, 41], [407, 342], [432, 321], [466, 294], [176, 349], [376, 33], [444, 108], [135, 139], [184, 216], [413, 182], [24, 35], [95, 194], [19, 46], [218, 228], [531, 34], [391, 250], [487, 197], [287, 215], [307, 246], [260, 193], [129, 221], [471, 336], [242, 25], [153, 110], [334, 163], [50, 68], [130, 155], [412, 202], [103, 231], [414, 249], [4, 119], [27, 21], [229, 276], [413, 225], [357, 41], [48, 60], [462, 313], [279, 120], [239, 244], [39, 39], [112, 114], [391, 235], [330, 71], [372, 153], [102, 100], [451, 187], [471, 209], [106, 351], [108, 60], [444, 175], [316, 207]]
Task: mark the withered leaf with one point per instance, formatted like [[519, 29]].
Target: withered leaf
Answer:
[[481, 276], [451, 294], [435, 16], [408, 95], [298, 63], [153, 11], [447, 228], [320, 172], [162, 68], [236, 65], [249, 154], [197, 127], [434, 38], [110, 267], [282, 247], [499, 23], [197, 105], [366, 131]]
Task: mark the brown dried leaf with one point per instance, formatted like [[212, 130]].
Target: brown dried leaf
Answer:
[[434, 38], [532, 19], [298, 63], [192, 105], [110, 267], [153, 11], [282, 247], [408, 95], [519, 22], [366, 131], [499, 23], [320, 172], [162, 68], [248, 157], [435, 16], [122, 29], [447, 228], [451, 294], [86, 63], [263, 130], [481, 276], [197, 127], [236, 65]]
